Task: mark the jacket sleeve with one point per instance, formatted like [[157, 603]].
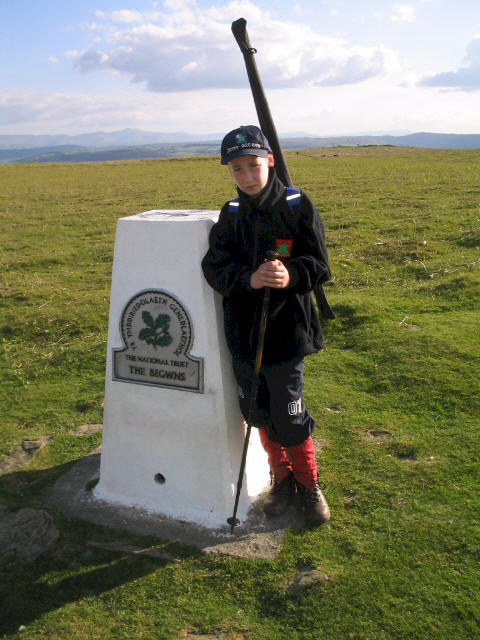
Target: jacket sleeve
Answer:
[[309, 265], [220, 268]]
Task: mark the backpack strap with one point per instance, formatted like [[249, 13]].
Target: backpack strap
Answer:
[[233, 208], [234, 205], [292, 196]]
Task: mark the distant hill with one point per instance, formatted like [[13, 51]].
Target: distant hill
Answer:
[[132, 143], [19, 155], [102, 139], [422, 140], [76, 154]]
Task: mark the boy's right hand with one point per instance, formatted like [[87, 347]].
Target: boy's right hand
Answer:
[[272, 273]]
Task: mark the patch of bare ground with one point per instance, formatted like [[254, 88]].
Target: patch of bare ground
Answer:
[[378, 434]]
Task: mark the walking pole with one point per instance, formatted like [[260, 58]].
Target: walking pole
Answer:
[[239, 30], [234, 521]]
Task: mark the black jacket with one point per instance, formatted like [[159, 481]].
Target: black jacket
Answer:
[[239, 243]]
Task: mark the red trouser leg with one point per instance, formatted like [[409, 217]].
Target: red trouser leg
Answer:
[[280, 465], [303, 463]]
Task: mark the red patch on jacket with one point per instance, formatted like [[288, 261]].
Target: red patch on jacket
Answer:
[[284, 247]]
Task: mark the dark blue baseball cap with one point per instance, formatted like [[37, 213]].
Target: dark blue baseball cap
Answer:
[[244, 141]]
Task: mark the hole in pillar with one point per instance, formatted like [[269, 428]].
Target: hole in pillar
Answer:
[[159, 478]]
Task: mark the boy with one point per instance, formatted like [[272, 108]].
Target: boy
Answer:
[[261, 220]]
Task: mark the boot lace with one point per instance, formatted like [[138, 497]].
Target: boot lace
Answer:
[[312, 496]]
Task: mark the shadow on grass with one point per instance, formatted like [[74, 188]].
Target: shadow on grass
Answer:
[[347, 317], [341, 330], [30, 592], [69, 571], [18, 487]]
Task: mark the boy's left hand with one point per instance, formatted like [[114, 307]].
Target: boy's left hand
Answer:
[[272, 274]]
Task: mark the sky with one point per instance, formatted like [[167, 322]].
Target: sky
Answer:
[[328, 67]]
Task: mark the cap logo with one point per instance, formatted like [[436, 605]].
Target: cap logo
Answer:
[[240, 138], [244, 145]]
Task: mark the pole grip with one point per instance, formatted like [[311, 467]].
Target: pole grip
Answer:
[[239, 30]]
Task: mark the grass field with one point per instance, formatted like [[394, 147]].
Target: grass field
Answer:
[[395, 396]]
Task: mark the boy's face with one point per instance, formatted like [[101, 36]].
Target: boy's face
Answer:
[[251, 172]]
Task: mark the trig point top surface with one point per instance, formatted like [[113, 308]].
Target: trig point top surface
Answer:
[[177, 215]]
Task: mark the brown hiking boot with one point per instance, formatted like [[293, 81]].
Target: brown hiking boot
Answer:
[[314, 505], [279, 497]]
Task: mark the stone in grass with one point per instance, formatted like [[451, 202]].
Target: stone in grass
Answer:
[[21, 454], [333, 409], [85, 430], [185, 635], [304, 578], [26, 534]]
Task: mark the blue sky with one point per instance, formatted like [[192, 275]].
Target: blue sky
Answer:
[[329, 67]]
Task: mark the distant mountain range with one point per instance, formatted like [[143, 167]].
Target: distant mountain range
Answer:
[[134, 143], [102, 139]]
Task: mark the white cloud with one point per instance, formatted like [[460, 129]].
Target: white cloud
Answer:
[[190, 48], [403, 13], [178, 4], [125, 16], [53, 59], [32, 106], [33, 111], [466, 78]]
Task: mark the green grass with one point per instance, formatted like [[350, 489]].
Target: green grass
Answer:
[[400, 372]]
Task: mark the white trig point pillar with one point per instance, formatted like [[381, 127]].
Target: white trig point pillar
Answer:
[[172, 431]]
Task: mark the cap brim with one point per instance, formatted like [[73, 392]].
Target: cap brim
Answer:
[[262, 153]]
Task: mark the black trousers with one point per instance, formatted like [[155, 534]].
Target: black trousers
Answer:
[[279, 406]]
